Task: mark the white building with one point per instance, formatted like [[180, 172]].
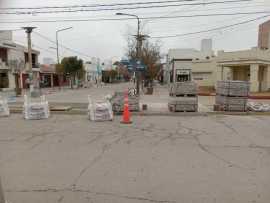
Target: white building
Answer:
[[14, 66], [91, 70], [202, 63]]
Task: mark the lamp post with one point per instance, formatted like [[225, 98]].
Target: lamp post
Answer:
[[57, 51], [28, 31], [138, 46], [57, 44]]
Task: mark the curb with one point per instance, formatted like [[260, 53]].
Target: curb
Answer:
[[259, 97], [172, 114]]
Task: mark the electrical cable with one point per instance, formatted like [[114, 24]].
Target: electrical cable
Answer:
[[67, 48], [104, 5], [116, 9], [129, 18], [213, 29]]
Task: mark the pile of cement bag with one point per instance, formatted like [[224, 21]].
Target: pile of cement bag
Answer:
[[117, 102], [9, 94], [36, 110], [232, 95], [258, 107], [4, 109], [100, 111]]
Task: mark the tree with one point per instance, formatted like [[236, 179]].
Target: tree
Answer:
[[59, 69], [73, 67], [149, 55]]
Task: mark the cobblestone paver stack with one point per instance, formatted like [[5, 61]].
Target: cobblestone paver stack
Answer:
[[183, 97], [117, 102], [232, 95]]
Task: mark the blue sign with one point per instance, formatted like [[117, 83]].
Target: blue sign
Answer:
[[133, 65]]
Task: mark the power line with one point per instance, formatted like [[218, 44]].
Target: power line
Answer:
[[67, 48], [143, 18], [183, 10], [215, 9], [210, 30], [102, 5], [118, 9]]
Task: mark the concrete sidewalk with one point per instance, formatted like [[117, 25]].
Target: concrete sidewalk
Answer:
[[157, 103]]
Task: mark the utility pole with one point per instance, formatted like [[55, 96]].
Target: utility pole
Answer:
[[138, 49], [57, 43], [138, 53], [28, 31]]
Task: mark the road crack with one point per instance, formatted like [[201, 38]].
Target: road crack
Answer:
[[195, 136], [122, 196], [106, 147]]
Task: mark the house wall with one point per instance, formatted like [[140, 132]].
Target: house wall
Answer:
[[6, 35], [263, 78], [264, 33], [241, 73], [250, 65], [16, 59], [250, 54], [204, 72]]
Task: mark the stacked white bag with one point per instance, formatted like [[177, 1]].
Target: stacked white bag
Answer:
[[36, 110], [100, 111], [4, 109]]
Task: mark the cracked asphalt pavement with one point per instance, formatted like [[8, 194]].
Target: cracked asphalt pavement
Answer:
[[68, 159]]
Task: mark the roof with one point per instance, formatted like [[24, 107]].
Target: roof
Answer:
[[254, 55], [13, 45], [187, 54]]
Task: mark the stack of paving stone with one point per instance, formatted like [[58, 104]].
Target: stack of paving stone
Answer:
[[183, 88], [232, 95], [183, 97], [117, 102], [183, 104]]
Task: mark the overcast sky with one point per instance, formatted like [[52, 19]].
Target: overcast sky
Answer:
[[107, 39]]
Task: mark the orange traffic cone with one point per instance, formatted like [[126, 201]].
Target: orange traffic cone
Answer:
[[126, 114]]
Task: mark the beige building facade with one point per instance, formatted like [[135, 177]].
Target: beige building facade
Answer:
[[264, 35], [248, 65], [201, 62], [251, 65]]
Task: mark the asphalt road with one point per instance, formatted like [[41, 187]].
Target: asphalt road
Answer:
[[67, 159]]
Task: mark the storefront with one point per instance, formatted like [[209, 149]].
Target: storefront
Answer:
[[48, 76]]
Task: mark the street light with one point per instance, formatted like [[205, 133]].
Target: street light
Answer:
[[29, 31], [138, 29], [57, 44], [137, 47]]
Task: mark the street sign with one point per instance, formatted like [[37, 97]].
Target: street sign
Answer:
[[133, 65]]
